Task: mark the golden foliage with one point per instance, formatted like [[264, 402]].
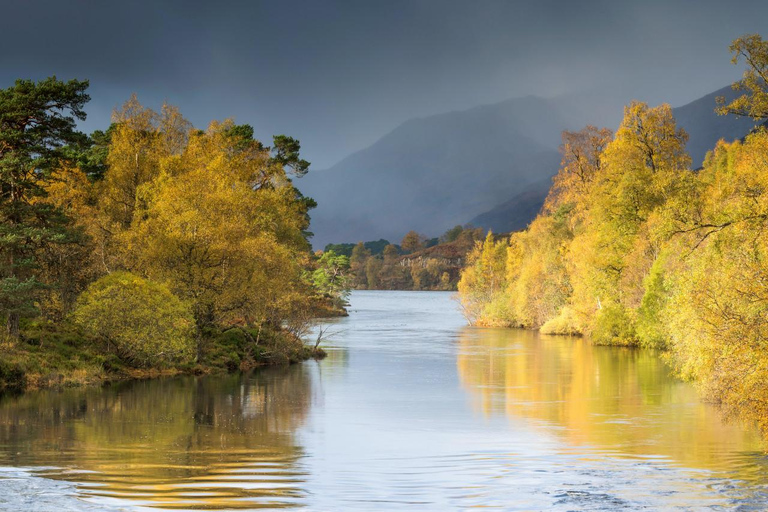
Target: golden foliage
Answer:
[[144, 322], [210, 216], [638, 249]]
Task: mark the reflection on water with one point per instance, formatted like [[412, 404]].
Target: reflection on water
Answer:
[[411, 410], [610, 398], [223, 442]]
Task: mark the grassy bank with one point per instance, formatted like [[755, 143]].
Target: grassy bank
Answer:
[[59, 355]]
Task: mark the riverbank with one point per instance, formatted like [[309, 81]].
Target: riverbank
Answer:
[[51, 355], [460, 418]]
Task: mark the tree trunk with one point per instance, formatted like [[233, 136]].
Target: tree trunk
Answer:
[[198, 344], [12, 325]]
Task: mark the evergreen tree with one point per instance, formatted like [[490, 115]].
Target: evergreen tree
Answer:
[[37, 121]]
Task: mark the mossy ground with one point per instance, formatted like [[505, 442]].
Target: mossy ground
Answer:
[[59, 355]]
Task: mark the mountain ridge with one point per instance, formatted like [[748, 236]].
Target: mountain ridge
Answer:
[[486, 165]]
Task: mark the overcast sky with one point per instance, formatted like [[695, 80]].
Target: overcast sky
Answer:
[[338, 75]]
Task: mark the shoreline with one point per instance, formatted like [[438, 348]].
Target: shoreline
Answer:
[[74, 379], [57, 356]]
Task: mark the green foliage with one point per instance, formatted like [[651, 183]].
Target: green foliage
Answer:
[[91, 155], [13, 376], [286, 153], [37, 121], [376, 247], [650, 315], [143, 321], [614, 326], [566, 323], [341, 249], [332, 276], [452, 234], [241, 348], [55, 355]]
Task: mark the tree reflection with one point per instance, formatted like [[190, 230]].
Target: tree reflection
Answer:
[[209, 442], [616, 399]]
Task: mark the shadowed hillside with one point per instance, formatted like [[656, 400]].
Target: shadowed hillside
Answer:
[[432, 173], [698, 118], [488, 165]]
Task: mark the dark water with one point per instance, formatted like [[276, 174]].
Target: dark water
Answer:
[[411, 411]]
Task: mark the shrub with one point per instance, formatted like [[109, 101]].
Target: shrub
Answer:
[[142, 321], [566, 323], [614, 326], [650, 321]]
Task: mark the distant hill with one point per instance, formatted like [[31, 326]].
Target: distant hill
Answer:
[[705, 128], [516, 213], [698, 118], [432, 173]]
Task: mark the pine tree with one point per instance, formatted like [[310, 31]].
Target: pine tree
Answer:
[[36, 121]]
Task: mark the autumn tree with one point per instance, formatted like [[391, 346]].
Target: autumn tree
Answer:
[[140, 320], [140, 141], [580, 266], [222, 226], [412, 242], [483, 282], [393, 275], [581, 162], [357, 262], [610, 255], [754, 102], [634, 247], [373, 269], [70, 268], [712, 297], [37, 120]]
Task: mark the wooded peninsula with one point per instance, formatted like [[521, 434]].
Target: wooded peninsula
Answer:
[[150, 248]]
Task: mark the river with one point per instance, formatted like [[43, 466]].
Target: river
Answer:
[[411, 410]]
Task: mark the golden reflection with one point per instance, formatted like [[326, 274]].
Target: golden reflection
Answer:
[[204, 443], [611, 398]]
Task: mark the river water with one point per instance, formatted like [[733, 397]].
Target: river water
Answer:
[[412, 410]]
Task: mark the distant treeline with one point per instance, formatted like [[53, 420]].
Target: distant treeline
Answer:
[[417, 263], [375, 247], [633, 247]]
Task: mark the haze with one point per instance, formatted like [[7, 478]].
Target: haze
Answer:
[[339, 75]]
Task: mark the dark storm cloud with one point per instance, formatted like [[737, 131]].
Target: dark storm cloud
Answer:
[[340, 74]]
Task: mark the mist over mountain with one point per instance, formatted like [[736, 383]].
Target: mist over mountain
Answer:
[[516, 213], [490, 165], [704, 128]]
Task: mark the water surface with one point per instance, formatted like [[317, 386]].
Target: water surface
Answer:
[[411, 410]]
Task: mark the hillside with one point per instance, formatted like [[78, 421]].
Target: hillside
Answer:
[[698, 118], [516, 213], [432, 173]]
